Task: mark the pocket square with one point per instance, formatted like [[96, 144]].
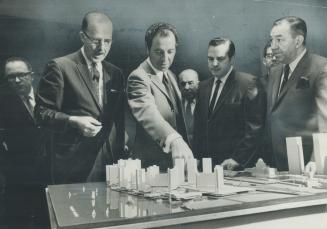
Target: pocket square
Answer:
[[303, 83], [113, 91]]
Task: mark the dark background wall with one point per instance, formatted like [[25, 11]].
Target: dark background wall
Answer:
[[43, 29]]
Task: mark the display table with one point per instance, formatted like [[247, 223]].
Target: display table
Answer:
[[94, 205]]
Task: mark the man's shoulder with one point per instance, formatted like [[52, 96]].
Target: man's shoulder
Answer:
[[318, 60], [205, 82], [140, 72], [244, 77], [111, 67], [67, 59]]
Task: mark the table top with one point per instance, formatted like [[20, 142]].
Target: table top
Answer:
[[82, 205]]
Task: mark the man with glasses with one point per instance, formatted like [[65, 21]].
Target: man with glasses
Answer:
[[23, 143], [80, 98]]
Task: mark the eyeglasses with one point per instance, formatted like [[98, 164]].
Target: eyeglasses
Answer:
[[97, 42], [20, 75]]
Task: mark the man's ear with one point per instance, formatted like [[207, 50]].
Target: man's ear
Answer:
[[299, 40], [82, 36]]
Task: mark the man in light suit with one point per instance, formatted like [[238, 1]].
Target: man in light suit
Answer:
[[229, 114], [155, 102], [297, 90], [23, 159], [80, 98]]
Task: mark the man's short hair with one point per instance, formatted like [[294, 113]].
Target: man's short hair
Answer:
[[219, 41], [161, 28], [85, 21], [14, 59], [298, 25]]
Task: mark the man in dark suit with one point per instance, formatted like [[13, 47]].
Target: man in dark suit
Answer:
[[188, 81], [80, 98], [155, 102], [297, 90], [23, 158], [229, 113]]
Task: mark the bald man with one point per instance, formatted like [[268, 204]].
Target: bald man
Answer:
[[80, 98], [188, 81]]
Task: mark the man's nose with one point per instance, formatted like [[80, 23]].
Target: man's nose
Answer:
[[165, 56], [17, 79], [101, 45], [215, 62], [273, 45]]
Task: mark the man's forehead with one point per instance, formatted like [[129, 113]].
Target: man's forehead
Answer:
[[280, 29], [188, 76], [16, 66], [219, 50]]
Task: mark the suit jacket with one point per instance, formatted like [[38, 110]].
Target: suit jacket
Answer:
[[234, 128], [301, 108], [24, 140], [65, 90], [154, 114]]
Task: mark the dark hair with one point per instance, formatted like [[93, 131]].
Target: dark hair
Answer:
[[219, 41], [22, 59], [85, 21], [161, 28], [297, 24]]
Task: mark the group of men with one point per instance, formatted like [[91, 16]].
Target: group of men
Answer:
[[75, 120]]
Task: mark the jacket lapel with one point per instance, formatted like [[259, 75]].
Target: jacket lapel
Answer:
[[275, 77], [299, 70], [86, 77], [155, 80], [27, 109], [207, 93], [224, 93]]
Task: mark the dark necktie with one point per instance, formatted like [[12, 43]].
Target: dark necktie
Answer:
[[169, 89], [286, 75], [95, 80], [189, 117], [214, 98]]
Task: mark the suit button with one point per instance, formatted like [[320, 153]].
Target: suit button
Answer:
[[172, 110]]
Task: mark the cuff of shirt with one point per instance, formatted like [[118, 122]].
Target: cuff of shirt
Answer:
[[171, 137]]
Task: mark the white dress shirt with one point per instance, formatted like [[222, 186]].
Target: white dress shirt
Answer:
[[292, 67], [99, 68], [221, 86]]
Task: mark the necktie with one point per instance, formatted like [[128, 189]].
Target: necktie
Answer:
[[169, 89], [95, 80], [29, 104], [286, 75], [214, 98], [189, 117]]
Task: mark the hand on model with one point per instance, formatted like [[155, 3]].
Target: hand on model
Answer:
[[230, 164], [179, 149]]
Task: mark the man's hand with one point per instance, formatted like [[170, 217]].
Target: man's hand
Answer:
[[230, 164], [87, 125], [179, 149], [311, 169]]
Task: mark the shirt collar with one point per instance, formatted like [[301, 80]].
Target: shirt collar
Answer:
[[297, 60], [156, 71], [225, 77], [30, 95], [193, 101]]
